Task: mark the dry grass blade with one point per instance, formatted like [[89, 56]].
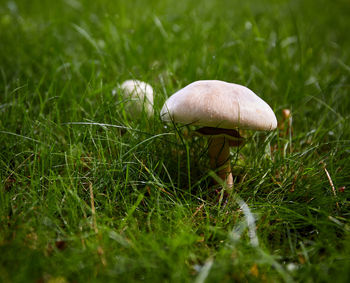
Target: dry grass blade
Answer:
[[92, 201], [204, 272], [198, 209], [100, 250], [330, 181]]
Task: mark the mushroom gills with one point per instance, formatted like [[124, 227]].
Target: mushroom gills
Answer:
[[233, 136]]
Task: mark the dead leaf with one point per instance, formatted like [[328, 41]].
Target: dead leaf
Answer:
[[301, 259], [61, 245], [341, 189], [254, 270]]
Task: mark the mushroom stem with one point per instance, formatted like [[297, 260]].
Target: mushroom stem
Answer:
[[219, 153]]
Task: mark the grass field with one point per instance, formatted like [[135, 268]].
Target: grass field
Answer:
[[89, 194]]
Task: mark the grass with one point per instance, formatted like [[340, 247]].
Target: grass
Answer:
[[89, 194]]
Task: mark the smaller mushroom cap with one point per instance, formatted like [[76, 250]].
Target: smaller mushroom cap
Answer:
[[138, 96], [219, 104]]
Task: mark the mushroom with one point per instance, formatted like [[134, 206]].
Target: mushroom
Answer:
[[285, 125], [138, 97], [220, 108]]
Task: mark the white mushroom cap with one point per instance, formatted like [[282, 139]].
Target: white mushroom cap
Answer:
[[219, 104], [138, 96]]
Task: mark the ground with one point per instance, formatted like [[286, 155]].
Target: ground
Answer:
[[90, 193]]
